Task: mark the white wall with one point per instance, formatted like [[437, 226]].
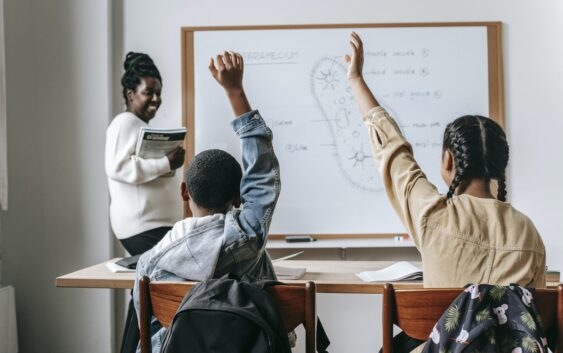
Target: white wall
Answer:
[[57, 61], [533, 75]]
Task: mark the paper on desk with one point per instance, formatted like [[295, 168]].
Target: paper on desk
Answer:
[[400, 271], [115, 268], [288, 256], [283, 272], [289, 272]]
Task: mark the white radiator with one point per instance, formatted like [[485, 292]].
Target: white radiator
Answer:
[[8, 329]]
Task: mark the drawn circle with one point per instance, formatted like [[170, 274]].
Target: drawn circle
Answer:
[[356, 134], [425, 52]]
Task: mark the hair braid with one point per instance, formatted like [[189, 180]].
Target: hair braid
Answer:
[[455, 183], [501, 195], [460, 159], [497, 155]]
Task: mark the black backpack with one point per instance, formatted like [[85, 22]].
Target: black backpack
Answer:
[[228, 315]]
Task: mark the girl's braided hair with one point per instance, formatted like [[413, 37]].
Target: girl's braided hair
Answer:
[[480, 150], [137, 66]]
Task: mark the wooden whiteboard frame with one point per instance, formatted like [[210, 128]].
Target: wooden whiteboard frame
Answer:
[[495, 68]]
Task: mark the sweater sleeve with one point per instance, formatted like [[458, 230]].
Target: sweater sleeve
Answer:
[[121, 162], [408, 189]]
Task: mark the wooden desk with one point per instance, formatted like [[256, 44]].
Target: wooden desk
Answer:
[[360, 243], [329, 276]]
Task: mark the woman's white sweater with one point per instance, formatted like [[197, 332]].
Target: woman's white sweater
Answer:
[[140, 199]]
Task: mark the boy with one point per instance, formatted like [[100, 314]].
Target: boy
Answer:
[[220, 239]]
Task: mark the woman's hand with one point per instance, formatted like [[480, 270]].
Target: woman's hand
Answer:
[[229, 70], [356, 61], [176, 157]]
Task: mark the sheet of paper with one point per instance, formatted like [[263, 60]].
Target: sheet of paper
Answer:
[[289, 272], [400, 271], [288, 256]]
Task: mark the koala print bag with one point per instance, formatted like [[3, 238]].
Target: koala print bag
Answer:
[[486, 318]]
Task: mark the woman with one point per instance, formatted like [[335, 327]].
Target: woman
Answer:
[[145, 204]]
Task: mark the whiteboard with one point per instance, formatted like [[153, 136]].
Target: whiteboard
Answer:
[[424, 76]]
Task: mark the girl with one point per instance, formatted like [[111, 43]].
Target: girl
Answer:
[[468, 235]]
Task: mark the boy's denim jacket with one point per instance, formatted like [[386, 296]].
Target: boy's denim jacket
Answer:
[[234, 244]]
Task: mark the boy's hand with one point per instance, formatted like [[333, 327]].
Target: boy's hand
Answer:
[[356, 61], [228, 73], [229, 70]]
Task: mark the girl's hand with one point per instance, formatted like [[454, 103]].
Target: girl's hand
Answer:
[[356, 61], [229, 70]]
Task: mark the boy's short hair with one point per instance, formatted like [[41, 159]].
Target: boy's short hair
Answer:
[[213, 179]]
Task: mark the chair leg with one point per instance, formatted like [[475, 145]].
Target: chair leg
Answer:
[[310, 317], [146, 313], [559, 337], [388, 304]]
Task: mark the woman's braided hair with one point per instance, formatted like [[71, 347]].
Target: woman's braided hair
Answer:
[[137, 66], [480, 150]]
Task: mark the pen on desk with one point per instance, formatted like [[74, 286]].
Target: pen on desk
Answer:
[[299, 238]]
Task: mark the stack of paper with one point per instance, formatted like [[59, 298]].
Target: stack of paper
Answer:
[[400, 271], [289, 272]]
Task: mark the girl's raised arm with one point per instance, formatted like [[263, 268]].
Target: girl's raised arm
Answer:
[[408, 190]]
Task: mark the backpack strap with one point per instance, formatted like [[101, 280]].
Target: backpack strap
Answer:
[[322, 339]]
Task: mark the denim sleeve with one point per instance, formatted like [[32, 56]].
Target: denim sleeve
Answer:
[[260, 185]]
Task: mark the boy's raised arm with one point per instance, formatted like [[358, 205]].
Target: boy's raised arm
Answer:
[[260, 185]]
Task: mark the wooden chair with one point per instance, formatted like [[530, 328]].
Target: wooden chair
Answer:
[[416, 311], [161, 299]]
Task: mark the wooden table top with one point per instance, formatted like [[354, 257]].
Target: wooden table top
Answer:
[[329, 276]]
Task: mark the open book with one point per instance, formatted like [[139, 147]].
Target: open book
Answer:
[[400, 271], [156, 143]]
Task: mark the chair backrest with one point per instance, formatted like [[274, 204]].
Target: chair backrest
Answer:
[[296, 305], [416, 311]]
